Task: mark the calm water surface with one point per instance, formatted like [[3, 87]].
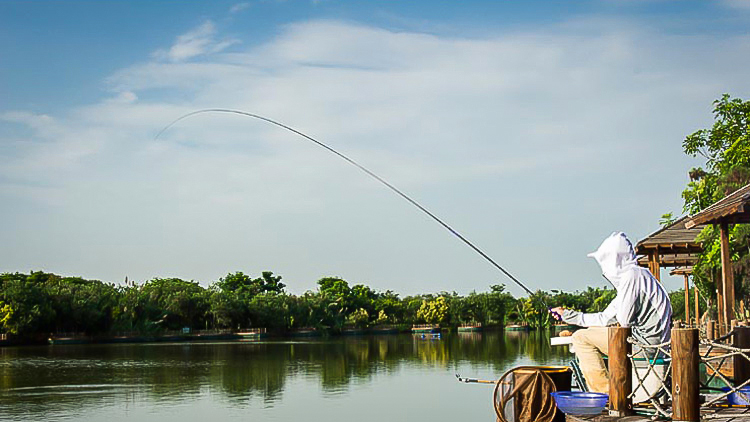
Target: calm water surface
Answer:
[[373, 378]]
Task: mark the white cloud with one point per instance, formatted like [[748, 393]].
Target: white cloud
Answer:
[[196, 42], [527, 142], [36, 121], [124, 97], [239, 7]]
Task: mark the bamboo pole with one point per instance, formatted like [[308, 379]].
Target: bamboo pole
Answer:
[[620, 368], [697, 307], [687, 299], [685, 404], [727, 276], [719, 301], [710, 329]]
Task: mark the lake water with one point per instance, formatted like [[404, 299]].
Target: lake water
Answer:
[[369, 378]]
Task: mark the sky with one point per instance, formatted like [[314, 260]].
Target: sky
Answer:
[[534, 128]]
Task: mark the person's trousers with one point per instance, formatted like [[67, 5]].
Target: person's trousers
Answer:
[[589, 345]]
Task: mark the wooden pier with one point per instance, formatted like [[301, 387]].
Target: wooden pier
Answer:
[[686, 403], [726, 414]]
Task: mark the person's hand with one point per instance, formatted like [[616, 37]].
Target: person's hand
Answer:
[[557, 313]]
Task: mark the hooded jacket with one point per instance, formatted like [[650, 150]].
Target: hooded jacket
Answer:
[[641, 302]]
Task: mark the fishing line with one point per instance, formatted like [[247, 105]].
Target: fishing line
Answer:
[[362, 168]]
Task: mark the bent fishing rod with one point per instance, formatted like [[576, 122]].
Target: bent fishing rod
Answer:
[[366, 171]]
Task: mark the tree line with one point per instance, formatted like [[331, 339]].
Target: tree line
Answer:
[[41, 303]]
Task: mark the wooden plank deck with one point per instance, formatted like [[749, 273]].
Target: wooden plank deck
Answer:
[[725, 414]]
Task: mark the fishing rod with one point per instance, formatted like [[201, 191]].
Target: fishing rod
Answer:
[[459, 378], [368, 172]]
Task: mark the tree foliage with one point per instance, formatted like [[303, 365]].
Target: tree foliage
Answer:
[[726, 150], [433, 311], [42, 303]]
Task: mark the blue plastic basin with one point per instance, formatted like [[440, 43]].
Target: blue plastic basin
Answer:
[[740, 398], [580, 403]]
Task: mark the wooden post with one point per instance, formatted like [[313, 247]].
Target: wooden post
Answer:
[[719, 301], [620, 368], [727, 276], [654, 265], [685, 404], [710, 330], [741, 365], [687, 299], [697, 308]]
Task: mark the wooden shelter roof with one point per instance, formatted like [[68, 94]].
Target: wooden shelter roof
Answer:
[[733, 209], [671, 260], [675, 238]]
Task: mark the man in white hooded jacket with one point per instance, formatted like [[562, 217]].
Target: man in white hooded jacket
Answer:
[[641, 303]]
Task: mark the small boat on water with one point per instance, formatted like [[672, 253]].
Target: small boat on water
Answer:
[[517, 327], [470, 328], [65, 338], [251, 334], [425, 328]]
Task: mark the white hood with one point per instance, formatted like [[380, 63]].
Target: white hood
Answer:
[[615, 256], [641, 301]]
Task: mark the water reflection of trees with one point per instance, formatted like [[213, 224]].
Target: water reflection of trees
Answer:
[[243, 371]]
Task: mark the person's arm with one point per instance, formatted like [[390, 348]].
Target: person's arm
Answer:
[[622, 309], [598, 319]]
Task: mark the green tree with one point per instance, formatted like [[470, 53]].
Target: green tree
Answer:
[[333, 302], [363, 297], [227, 309], [28, 306], [433, 311], [358, 318], [500, 302], [389, 307], [667, 219], [271, 310], [533, 311], [726, 149], [247, 287], [181, 303], [82, 305]]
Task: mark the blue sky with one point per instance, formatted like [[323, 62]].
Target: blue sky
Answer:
[[66, 48], [535, 128]]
